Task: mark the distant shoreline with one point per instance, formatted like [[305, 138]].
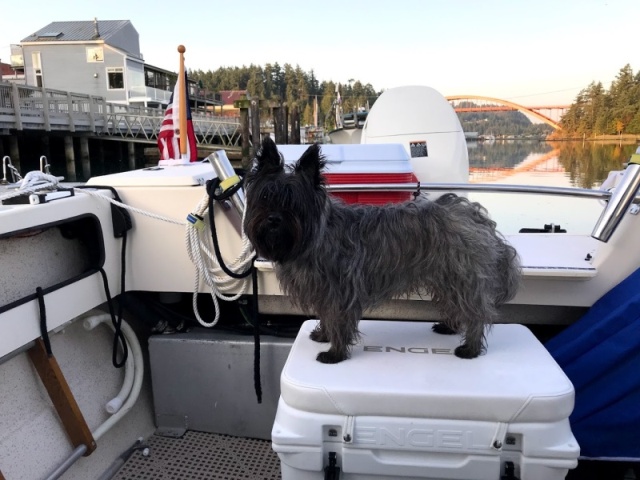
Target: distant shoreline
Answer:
[[624, 138]]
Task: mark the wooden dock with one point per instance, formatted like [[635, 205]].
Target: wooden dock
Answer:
[[80, 118]]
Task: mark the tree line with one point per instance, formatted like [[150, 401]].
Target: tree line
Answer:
[[293, 85], [301, 89], [597, 111]]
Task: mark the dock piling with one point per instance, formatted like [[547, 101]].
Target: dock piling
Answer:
[[84, 157], [131, 150], [71, 158]]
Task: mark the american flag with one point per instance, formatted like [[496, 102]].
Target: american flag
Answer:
[[170, 136]]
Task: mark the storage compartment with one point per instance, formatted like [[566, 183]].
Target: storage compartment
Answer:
[[403, 406], [49, 256], [157, 260], [362, 164], [203, 380]]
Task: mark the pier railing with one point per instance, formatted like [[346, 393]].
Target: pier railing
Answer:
[[25, 107]]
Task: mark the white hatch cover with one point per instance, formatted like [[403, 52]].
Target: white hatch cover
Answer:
[[196, 173], [403, 369]]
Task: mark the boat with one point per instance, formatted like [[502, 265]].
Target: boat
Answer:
[[128, 349]]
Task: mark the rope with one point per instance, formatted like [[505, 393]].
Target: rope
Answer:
[[199, 248], [155, 216], [257, 384], [118, 336], [44, 331], [31, 183]]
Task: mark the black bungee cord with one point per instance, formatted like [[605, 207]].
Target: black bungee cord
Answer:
[[213, 187]]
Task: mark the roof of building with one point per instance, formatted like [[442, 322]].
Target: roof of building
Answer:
[[229, 96], [77, 31]]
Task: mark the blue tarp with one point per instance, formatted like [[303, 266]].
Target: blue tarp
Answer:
[[600, 353]]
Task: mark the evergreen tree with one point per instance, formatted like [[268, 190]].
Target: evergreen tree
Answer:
[[599, 112]]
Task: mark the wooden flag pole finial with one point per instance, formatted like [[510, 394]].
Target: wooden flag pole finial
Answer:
[[184, 139]]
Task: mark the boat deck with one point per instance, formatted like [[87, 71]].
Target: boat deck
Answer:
[[202, 456], [210, 456]]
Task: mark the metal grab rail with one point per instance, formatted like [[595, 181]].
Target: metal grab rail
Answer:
[[473, 187], [618, 201]]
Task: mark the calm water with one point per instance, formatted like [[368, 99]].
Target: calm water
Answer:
[[560, 164]]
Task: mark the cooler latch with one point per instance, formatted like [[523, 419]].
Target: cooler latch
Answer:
[[332, 471], [509, 471]]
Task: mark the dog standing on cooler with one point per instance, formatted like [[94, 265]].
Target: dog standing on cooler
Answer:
[[337, 260]]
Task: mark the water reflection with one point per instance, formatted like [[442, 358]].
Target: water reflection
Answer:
[[504, 154], [588, 163], [584, 164], [558, 164]]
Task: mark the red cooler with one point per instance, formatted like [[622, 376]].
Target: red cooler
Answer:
[[362, 164]]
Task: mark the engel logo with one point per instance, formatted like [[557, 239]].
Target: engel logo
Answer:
[[420, 350], [417, 437]]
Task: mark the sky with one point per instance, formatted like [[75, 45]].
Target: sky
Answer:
[[537, 52]]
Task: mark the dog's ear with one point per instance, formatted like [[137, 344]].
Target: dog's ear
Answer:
[[268, 158], [311, 164]]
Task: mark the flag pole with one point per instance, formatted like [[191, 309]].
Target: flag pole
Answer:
[[183, 104]]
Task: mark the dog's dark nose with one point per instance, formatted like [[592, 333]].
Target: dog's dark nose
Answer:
[[274, 219]]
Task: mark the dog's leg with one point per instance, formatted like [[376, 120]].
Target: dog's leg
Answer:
[[342, 333], [473, 344], [467, 308], [318, 334], [332, 356], [443, 329]]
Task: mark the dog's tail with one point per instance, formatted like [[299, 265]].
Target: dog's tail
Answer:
[[511, 273]]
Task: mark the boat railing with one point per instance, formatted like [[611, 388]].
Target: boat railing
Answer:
[[473, 187], [618, 201]]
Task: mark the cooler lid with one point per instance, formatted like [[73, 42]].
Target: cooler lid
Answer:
[[405, 369], [356, 158]]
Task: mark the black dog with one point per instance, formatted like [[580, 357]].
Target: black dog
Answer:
[[337, 260]]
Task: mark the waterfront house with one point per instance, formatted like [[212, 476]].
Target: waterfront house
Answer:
[[100, 58]]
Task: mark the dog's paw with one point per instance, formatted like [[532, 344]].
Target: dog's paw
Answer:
[[467, 351], [318, 336], [443, 329], [330, 357]]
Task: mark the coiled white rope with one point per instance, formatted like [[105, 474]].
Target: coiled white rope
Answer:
[[31, 183], [201, 252]]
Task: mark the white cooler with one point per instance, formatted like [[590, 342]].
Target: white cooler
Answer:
[[404, 407]]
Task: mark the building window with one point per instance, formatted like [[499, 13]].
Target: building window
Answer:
[[37, 68], [115, 78], [95, 54]]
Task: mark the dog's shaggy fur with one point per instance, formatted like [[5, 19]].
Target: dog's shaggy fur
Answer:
[[336, 260]]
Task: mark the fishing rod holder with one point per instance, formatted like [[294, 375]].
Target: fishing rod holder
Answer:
[[621, 199], [228, 178]]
